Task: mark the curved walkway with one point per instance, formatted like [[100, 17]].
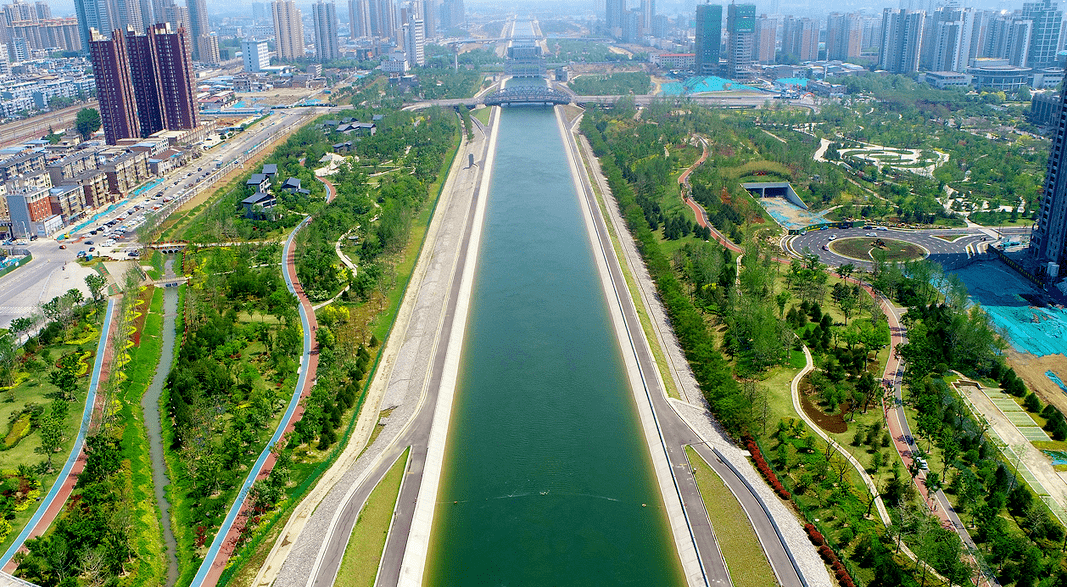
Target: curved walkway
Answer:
[[223, 544], [52, 504], [794, 389]]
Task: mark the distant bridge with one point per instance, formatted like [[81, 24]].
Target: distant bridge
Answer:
[[527, 95], [560, 97]]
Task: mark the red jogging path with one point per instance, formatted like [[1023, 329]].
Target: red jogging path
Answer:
[[896, 419], [222, 556]]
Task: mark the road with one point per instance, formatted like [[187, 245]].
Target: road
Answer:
[[967, 244]]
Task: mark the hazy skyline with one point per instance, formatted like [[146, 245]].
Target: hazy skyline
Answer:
[[586, 8]]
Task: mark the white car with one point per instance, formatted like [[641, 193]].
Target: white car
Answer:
[[833, 237]]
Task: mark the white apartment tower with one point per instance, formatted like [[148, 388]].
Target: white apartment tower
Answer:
[[325, 16], [288, 30]]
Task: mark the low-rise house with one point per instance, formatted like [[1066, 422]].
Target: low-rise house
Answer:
[[292, 185], [259, 205]]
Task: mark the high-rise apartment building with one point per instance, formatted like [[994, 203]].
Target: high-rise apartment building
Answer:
[[383, 19], [208, 46], [255, 55], [92, 14], [1045, 38], [740, 39], [902, 33], [126, 14], [324, 15], [147, 15], [708, 38], [1048, 240], [414, 41], [144, 79], [430, 12], [259, 12], [288, 30], [766, 37], [114, 89], [453, 14], [198, 26], [176, 16], [614, 17], [1009, 38], [948, 39], [176, 77], [800, 40], [144, 83], [844, 35], [648, 13], [359, 18]]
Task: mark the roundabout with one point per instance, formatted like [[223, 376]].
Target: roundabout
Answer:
[[865, 249], [950, 247]]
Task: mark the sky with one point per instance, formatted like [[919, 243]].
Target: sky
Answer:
[[585, 8]]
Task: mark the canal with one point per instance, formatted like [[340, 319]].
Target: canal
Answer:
[[547, 479]]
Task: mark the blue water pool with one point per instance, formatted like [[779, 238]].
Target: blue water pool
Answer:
[[699, 85]]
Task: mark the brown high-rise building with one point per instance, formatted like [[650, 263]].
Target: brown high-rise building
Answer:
[[174, 64], [146, 88], [114, 89], [144, 82]]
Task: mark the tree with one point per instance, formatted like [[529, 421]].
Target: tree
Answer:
[[52, 432], [324, 336], [22, 324], [96, 284], [87, 122]]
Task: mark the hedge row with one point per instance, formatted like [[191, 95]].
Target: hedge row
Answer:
[[829, 556], [765, 469]]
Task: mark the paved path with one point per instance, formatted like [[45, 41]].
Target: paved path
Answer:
[[794, 388], [903, 439], [225, 540], [53, 502]]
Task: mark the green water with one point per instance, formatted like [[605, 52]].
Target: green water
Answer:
[[545, 455]]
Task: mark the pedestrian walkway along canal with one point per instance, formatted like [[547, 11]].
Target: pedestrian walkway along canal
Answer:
[[547, 479]]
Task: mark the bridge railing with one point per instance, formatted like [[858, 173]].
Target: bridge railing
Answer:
[[528, 95]]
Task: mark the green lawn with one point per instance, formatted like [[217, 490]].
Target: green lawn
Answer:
[[35, 388], [860, 248], [483, 114], [364, 551], [736, 538]]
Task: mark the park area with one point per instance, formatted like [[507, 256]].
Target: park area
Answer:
[[922, 162]]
